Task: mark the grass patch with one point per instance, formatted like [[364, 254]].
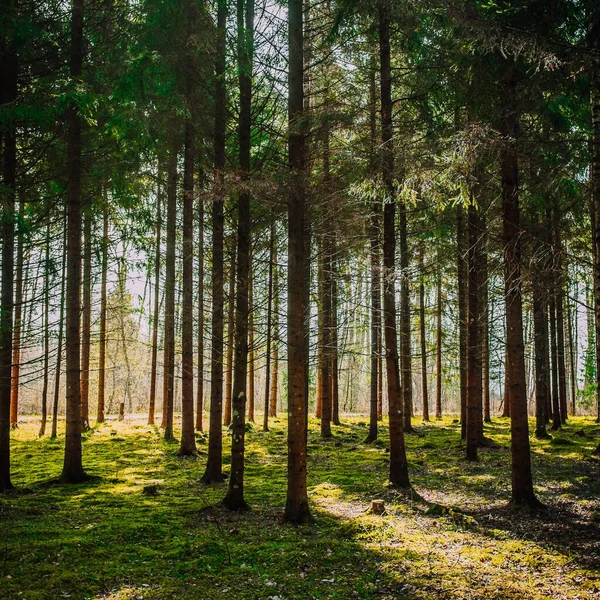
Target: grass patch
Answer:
[[108, 538]]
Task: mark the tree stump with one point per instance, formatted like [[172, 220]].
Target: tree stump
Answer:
[[377, 507]]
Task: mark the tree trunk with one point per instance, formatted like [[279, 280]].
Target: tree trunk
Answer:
[[273, 393], [560, 319], [251, 390], [540, 325], [200, 388], [46, 326], [326, 350], [8, 95], [234, 499], [461, 270], [269, 325], [594, 42], [474, 373], [375, 256], [334, 365], [522, 480], [398, 464], [187, 446], [554, 362], [230, 333], [156, 317], [214, 464], [438, 349], [405, 333], [485, 324], [572, 357], [169, 334], [296, 509], [102, 339], [86, 323], [424, 392], [72, 467], [17, 327]]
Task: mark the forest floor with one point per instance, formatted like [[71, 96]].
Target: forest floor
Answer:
[[457, 538]]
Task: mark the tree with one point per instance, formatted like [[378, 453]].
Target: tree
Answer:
[[214, 462], [296, 508], [398, 464], [73, 467]]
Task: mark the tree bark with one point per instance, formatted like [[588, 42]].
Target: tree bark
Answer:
[[46, 326], [398, 464], [102, 338], [269, 325], [485, 322], [234, 499], [230, 333], [17, 327], [72, 471], [461, 270], [274, 391], [560, 319], [86, 323], [405, 331], [214, 464], [438, 349], [169, 323], [8, 95], [424, 392], [522, 479], [474, 372], [200, 351], [296, 509], [156, 315], [540, 325]]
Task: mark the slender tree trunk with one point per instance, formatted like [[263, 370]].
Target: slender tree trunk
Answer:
[[461, 270], [72, 467], [46, 325], [405, 331], [572, 358], [321, 324], [156, 316], [296, 509], [375, 256], [273, 393], [334, 366], [187, 446], [269, 325], [214, 464], [554, 362], [59, 349], [200, 388], [522, 480], [169, 334], [485, 324], [594, 42], [8, 95], [474, 374], [438, 349], [17, 328], [424, 392], [326, 350], [86, 323], [398, 464], [540, 325], [251, 391], [230, 333], [102, 339], [560, 319], [234, 499]]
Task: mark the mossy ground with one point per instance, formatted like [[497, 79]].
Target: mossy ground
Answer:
[[458, 540]]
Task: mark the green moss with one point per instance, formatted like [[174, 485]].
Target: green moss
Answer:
[[106, 539]]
